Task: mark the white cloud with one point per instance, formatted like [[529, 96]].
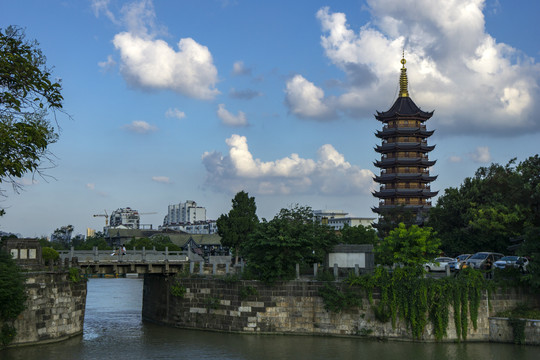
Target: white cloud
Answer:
[[455, 159], [330, 174], [90, 186], [305, 100], [481, 155], [161, 179], [140, 127], [150, 63], [240, 69], [454, 66], [175, 113], [25, 181], [102, 6], [107, 64], [229, 119]]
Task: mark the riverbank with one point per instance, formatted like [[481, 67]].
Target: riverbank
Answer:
[[296, 308]]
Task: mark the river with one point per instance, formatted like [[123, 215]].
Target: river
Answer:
[[113, 329]]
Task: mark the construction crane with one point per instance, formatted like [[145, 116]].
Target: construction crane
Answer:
[[106, 216]]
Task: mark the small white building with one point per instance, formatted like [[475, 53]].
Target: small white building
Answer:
[[338, 218]]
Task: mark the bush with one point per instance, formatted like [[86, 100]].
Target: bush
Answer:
[[49, 255]]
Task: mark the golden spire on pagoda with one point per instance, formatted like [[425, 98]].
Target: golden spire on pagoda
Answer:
[[403, 82]]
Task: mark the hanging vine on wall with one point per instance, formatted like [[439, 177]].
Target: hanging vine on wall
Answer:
[[407, 295]]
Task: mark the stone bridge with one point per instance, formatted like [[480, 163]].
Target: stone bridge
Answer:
[[134, 261]]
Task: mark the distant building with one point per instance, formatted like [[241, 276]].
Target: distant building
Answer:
[[125, 218], [339, 223], [188, 217], [337, 219]]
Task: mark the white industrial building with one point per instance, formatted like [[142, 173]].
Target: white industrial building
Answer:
[[188, 217]]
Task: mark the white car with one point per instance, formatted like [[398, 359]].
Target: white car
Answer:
[[439, 264]]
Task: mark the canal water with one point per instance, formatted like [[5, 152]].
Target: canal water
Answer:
[[113, 329]]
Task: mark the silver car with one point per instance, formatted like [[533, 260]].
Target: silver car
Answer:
[[481, 260]]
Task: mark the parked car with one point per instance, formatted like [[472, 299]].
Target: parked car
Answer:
[[480, 260], [439, 264], [460, 260], [512, 261]]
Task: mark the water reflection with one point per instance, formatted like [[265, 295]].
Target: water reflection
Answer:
[[113, 330]]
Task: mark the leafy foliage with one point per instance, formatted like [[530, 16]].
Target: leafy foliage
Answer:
[[358, 235], [27, 93], [49, 255], [337, 301], [12, 290], [159, 242], [497, 204], [235, 227], [290, 238], [407, 295], [412, 246]]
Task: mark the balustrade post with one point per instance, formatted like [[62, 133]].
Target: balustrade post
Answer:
[[191, 267], [166, 253], [336, 271], [71, 253], [297, 271], [201, 268], [227, 269], [143, 254], [214, 269], [96, 253], [315, 269], [356, 269]]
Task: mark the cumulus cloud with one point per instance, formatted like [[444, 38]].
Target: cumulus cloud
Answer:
[[149, 63], [175, 113], [481, 155], [140, 127], [161, 179], [329, 174], [454, 66], [90, 186], [230, 119], [306, 100]]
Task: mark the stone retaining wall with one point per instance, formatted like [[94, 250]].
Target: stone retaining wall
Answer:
[[286, 308], [54, 309], [501, 331]]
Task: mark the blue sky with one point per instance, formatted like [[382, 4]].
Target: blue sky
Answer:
[[197, 100]]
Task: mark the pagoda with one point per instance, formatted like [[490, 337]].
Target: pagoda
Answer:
[[404, 178]]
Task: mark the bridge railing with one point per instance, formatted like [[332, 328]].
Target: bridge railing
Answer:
[[137, 256]]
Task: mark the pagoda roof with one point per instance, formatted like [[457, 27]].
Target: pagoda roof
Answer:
[[404, 106], [403, 131], [389, 193], [404, 161], [406, 146], [391, 177], [383, 208]]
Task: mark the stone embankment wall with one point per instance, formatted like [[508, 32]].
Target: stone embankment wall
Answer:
[[287, 308], [54, 309]]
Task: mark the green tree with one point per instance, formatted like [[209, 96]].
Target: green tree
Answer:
[[12, 290], [411, 246], [358, 235], [497, 204], [290, 238], [235, 227], [27, 94]]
